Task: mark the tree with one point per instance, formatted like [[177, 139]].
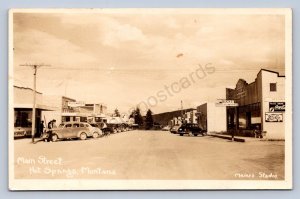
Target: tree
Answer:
[[149, 120], [138, 117], [117, 113], [132, 114]]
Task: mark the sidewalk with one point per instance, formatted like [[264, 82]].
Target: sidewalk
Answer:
[[236, 138]]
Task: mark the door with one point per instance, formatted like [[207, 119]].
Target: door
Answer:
[[76, 128], [248, 120], [67, 131]]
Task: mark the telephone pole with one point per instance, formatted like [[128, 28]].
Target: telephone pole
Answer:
[[181, 104], [35, 67]]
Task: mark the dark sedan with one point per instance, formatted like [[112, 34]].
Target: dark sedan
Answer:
[[190, 129]]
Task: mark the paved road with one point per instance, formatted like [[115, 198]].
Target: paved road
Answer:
[[150, 155]]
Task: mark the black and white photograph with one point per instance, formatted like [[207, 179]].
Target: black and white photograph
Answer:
[[150, 99]]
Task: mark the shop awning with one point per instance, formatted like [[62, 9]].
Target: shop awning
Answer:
[[38, 106]]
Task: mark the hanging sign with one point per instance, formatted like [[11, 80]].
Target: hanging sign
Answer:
[[224, 102]]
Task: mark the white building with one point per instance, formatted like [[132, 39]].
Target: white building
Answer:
[[211, 118]]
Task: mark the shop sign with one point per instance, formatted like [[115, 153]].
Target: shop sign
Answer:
[[276, 106], [274, 117], [224, 102], [76, 104], [241, 89]]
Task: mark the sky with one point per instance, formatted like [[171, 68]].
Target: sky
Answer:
[[151, 60]]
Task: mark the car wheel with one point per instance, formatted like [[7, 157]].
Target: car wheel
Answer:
[[83, 136], [95, 135], [195, 134], [54, 138], [181, 134]]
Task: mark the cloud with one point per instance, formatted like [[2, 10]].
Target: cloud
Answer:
[[171, 23], [34, 46], [116, 33]]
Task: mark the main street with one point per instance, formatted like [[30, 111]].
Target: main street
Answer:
[[149, 155]]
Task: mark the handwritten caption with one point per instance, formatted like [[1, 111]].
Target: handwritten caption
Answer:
[[55, 167], [260, 175]]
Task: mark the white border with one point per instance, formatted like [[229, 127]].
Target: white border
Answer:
[[73, 184]]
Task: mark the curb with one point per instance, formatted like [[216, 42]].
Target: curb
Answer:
[[228, 137]]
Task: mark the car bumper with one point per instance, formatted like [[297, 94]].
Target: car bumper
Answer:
[[20, 134]]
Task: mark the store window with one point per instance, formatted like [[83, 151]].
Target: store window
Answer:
[[23, 118], [273, 87], [68, 119], [83, 119]]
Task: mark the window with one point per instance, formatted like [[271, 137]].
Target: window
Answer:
[[68, 125], [75, 125], [83, 119], [273, 87], [81, 125]]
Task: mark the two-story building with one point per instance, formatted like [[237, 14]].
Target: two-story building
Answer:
[[261, 105]]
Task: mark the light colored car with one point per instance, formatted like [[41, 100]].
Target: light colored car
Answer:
[[175, 128], [80, 130], [166, 128], [22, 132], [96, 130]]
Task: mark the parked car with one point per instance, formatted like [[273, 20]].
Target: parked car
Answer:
[[190, 128], [175, 128], [166, 128], [80, 130], [97, 129], [22, 132]]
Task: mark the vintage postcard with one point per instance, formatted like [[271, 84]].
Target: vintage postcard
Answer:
[[150, 99]]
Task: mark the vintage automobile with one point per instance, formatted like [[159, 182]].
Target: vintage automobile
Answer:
[[175, 128], [97, 128], [80, 130], [190, 128], [22, 132], [166, 128]]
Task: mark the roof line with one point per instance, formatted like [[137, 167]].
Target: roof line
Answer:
[[21, 87], [175, 111], [271, 71]]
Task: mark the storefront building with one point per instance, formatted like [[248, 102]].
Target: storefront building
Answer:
[[61, 106], [173, 117], [211, 117], [68, 110], [261, 105], [23, 104], [82, 112], [190, 116]]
